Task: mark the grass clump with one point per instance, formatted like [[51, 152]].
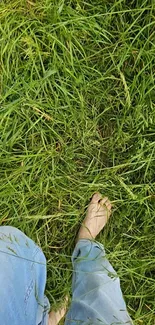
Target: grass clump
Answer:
[[77, 115]]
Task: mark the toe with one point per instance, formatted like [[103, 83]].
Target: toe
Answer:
[[109, 206], [105, 201], [96, 197]]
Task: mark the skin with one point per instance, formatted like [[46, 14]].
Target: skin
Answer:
[[98, 213]]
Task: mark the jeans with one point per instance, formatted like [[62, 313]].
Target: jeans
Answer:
[[97, 297]]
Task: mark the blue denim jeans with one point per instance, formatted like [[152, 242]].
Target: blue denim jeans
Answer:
[[97, 297]]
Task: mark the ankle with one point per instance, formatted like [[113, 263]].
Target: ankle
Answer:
[[84, 233]]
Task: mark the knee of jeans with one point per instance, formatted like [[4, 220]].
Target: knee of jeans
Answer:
[[20, 240], [10, 230]]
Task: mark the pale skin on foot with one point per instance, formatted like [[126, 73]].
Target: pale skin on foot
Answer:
[[98, 213], [56, 316]]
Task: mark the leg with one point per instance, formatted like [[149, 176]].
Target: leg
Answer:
[[97, 297], [22, 280]]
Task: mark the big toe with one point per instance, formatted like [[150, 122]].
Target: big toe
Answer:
[[96, 197]]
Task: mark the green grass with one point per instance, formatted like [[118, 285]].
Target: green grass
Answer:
[[77, 115]]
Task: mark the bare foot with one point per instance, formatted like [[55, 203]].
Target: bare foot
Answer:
[[98, 213], [56, 316]]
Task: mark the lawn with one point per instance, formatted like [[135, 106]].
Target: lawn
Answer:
[[77, 115]]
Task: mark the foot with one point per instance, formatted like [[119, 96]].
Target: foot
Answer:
[[56, 316], [99, 211]]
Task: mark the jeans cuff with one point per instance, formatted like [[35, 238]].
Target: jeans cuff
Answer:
[[86, 247]]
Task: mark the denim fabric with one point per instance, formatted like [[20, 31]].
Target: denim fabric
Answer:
[[22, 280], [97, 297]]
